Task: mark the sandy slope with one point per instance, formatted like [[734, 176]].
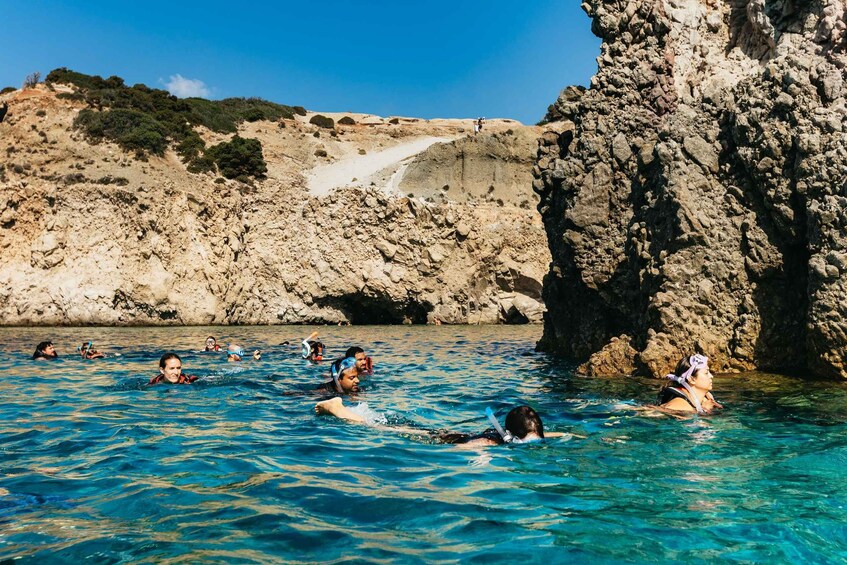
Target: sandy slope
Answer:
[[360, 170]]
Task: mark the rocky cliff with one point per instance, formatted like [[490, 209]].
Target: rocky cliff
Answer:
[[697, 199], [92, 235]]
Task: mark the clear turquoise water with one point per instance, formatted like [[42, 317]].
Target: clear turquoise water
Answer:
[[99, 469]]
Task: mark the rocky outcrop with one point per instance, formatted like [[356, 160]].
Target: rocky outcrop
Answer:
[[91, 235], [695, 198]]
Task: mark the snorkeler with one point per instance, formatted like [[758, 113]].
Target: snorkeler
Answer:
[[691, 388], [87, 351], [45, 351], [344, 377], [312, 350], [212, 344], [523, 425], [235, 353], [170, 371]]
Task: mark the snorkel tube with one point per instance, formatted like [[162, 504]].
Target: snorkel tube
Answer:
[[506, 435]]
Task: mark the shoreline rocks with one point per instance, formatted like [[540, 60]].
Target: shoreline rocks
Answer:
[[694, 197]]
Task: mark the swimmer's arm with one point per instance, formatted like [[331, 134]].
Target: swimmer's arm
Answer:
[[335, 407]]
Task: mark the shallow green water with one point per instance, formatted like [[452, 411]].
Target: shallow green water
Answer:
[[98, 468]]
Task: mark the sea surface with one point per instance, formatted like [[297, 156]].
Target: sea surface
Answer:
[[96, 467]]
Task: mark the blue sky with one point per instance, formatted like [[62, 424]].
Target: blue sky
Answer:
[[498, 58]]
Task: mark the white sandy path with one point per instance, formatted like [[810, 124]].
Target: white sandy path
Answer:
[[325, 178]]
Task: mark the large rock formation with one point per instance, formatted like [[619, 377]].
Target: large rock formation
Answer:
[[91, 235], [697, 199]]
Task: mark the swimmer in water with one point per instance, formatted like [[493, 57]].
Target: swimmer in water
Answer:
[[87, 351], [344, 377], [45, 351], [691, 388], [523, 425], [235, 353], [212, 344], [312, 350], [170, 371], [364, 363]]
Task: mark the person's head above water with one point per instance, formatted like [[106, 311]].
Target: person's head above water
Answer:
[[690, 389], [45, 350], [693, 372], [212, 344], [363, 362], [234, 352], [523, 424], [170, 366], [345, 376]]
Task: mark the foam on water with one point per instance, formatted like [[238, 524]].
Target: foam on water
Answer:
[[99, 467]]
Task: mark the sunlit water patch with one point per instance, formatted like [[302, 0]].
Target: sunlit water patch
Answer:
[[97, 467]]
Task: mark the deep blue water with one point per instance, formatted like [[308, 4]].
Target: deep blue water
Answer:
[[98, 468]]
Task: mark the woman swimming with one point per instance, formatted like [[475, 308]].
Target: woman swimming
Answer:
[[45, 351], [691, 388], [170, 371]]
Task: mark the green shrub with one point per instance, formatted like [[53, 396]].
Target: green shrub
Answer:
[[131, 129], [144, 119], [41, 113], [394, 121], [322, 121], [8, 89], [347, 121], [239, 158], [299, 110], [75, 96]]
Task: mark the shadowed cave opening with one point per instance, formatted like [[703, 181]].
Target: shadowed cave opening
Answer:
[[365, 309]]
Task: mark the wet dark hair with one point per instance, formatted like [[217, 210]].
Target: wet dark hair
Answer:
[[315, 345], [352, 351], [522, 421], [39, 351], [167, 357], [683, 365]]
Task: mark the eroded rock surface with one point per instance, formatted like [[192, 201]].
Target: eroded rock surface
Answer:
[[697, 197], [90, 235]]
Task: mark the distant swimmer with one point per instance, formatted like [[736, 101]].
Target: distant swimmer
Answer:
[[87, 351], [312, 350], [691, 388], [45, 351], [170, 371], [235, 353], [212, 344]]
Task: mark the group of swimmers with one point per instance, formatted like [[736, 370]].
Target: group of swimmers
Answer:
[[688, 392], [46, 351]]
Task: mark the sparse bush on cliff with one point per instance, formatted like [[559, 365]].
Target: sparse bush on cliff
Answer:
[[41, 113], [7, 90], [299, 110], [347, 121], [322, 121], [167, 119], [241, 157], [32, 80], [130, 129]]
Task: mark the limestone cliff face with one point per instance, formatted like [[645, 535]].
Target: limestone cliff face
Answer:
[[90, 235], [697, 199]]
